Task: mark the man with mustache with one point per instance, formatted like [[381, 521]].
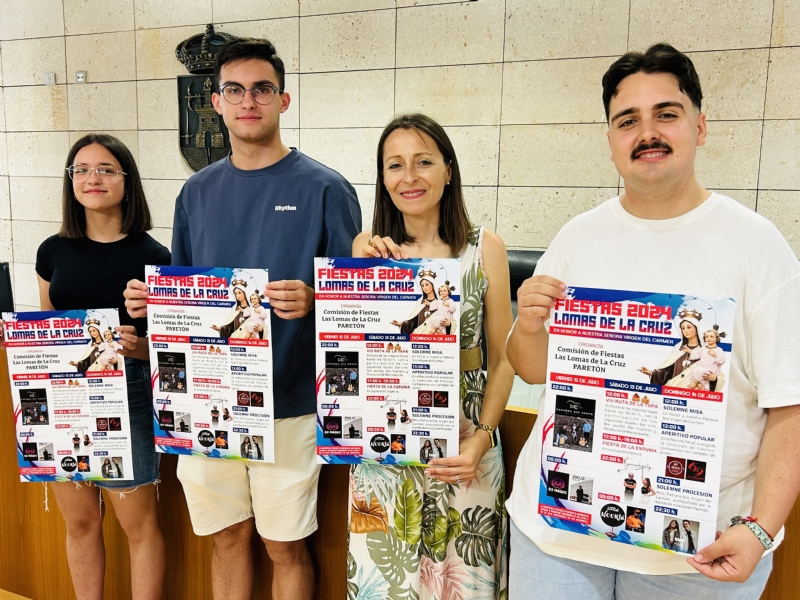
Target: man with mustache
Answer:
[[666, 233]]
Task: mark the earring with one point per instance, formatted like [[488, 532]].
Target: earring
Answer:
[[125, 199]]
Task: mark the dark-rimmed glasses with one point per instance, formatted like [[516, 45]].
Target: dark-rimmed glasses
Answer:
[[262, 94]]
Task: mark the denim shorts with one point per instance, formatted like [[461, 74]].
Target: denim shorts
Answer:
[[140, 412]]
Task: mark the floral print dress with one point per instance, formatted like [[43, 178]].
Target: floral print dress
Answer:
[[413, 537]]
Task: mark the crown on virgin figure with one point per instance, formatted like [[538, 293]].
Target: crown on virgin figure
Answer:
[[692, 314], [239, 282], [94, 322], [426, 273]]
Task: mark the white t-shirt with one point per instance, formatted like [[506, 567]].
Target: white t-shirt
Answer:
[[720, 249]]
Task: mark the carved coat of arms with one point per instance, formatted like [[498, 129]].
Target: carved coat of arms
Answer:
[[203, 136]]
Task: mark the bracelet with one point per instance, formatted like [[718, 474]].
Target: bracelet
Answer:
[[488, 429], [751, 523]]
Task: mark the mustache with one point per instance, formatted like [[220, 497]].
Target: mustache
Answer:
[[656, 145]]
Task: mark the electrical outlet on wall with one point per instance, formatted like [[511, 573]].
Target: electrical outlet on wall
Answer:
[[49, 78], [80, 77]]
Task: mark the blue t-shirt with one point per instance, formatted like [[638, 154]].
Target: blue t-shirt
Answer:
[[278, 218]]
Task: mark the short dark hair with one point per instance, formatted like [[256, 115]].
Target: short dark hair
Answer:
[[454, 224], [135, 213], [659, 58], [247, 49]]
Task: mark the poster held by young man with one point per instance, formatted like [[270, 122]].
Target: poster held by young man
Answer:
[[212, 361]]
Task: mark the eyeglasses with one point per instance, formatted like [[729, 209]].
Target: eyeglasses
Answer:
[[105, 173], [262, 94]]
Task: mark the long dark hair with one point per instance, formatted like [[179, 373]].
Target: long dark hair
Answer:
[[135, 214], [454, 225]]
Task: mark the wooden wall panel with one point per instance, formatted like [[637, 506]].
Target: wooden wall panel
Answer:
[[33, 562]]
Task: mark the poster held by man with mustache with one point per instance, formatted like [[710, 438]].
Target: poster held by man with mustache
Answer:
[[634, 416]]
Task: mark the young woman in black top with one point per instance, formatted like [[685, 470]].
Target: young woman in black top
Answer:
[[101, 246]]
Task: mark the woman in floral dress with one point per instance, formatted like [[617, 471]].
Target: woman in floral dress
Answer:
[[437, 532]]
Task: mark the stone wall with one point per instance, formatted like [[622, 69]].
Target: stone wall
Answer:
[[516, 82]]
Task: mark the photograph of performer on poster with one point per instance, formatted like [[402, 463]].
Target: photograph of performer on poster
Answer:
[[172, 372], [341, 373], [435, 312], [352, 430], [574, 423], [680, 535], [248, 319], [580, 489], [34, 407]]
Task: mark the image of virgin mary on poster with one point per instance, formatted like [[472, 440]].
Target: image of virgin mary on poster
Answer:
[[701, 359], [436, 310], [249, 316]]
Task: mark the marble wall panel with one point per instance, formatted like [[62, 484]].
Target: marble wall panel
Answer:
[[780, 156], [556, 155], [25, 62], [152, 14], [529, 217], [453, 95], [707, 25], [20, 19], [565, 29], [36, 198], [36, 108], [97, 16], [104, 56], [347, 99], [347, 42], [783, 99], [39, 154], [89, 106], [236, 10], [451, 34]]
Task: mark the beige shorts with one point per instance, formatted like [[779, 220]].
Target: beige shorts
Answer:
[[284, 493]]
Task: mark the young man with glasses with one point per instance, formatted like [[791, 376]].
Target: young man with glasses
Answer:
[[266, 205], [666, 233]]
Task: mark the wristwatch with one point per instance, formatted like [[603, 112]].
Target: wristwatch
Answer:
[[490, 430]]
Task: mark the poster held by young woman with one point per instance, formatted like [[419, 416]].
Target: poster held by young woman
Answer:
[[211, 355], [387, 360], [634, 416], [69, 395]]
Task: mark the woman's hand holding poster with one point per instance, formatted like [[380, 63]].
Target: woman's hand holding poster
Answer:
[[387, 360], [69, 395], [634, 415], [211, 357]]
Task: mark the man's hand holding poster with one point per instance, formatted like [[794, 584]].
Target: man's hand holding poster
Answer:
[[387, 360], [634, 415], [211, 357], [69, 395]]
